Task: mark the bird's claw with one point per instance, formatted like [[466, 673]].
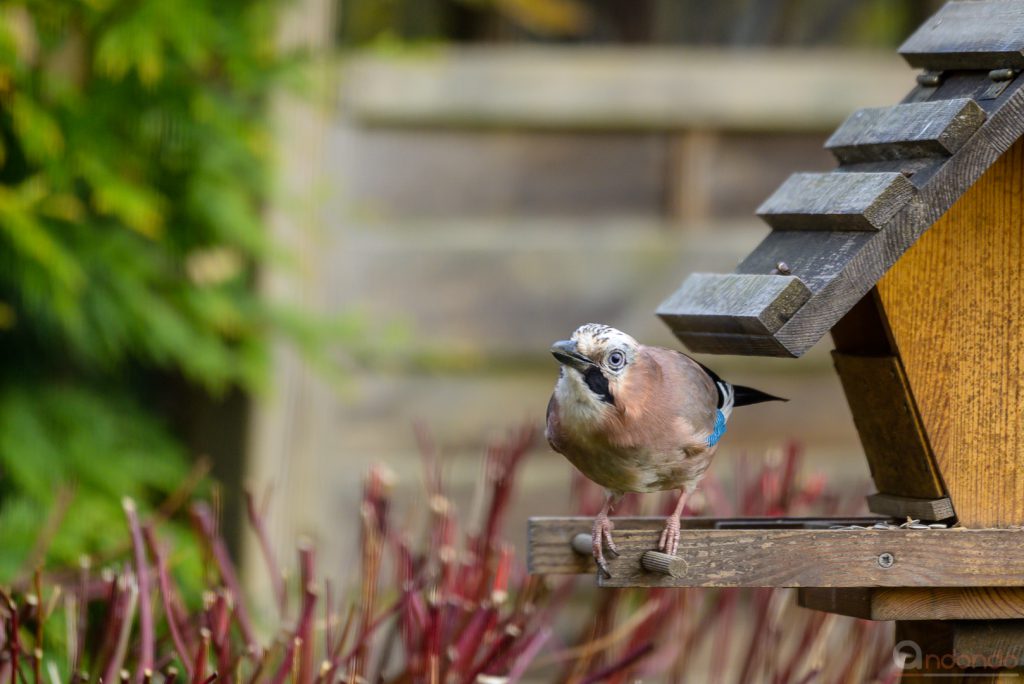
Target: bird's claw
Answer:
[[601, 537], [669, 542]]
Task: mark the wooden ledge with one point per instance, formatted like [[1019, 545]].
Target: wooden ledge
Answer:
[[785, 553], [906, 603]]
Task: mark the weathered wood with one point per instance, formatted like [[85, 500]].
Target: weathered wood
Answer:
[[889, 427], [734, 304], [902, 603], [724, 343], [792, 557], [955, 307], [906, 131], [901, 507], [548, 546], [836, 201], [989, 645], [568, 87], [979, 34], [840, 270]]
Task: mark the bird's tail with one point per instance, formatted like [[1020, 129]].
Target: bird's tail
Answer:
[[744, 396]]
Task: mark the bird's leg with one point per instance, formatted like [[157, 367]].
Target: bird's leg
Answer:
[[601, 534], [670, 535]]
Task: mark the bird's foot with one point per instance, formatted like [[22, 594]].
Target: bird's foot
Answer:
[[670, 536], [601, 536]]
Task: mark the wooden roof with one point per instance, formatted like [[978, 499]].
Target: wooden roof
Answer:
[[834, 235]]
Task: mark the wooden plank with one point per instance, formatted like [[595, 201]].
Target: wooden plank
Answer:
[[609, 88], [550, 538], [836, 201], [955, 307], [901, 507], [990, 645], [737, 304], [890, 430], [817, 257], [725, 343], [906, 131], [795, 558], [902, 603], [979, 34]]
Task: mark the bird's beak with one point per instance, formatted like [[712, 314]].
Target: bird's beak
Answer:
[[565, 353]]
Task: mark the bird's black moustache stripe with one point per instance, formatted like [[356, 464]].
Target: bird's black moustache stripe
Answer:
[[598, 384]]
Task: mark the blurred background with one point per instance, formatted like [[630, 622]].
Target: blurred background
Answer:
[[265, 239]]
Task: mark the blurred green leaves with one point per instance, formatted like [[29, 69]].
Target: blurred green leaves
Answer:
[[134, 166]]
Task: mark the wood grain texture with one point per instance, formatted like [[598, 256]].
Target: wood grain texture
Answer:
[[955, 307], [888, 425], [902, 603], [794, 557], [985, 644], [902, 507], [724, 343], [978, 34], [906, 131], [551, 540], [735, 304], [836, 201]]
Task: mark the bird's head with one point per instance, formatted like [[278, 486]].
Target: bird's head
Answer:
[[595, 360]]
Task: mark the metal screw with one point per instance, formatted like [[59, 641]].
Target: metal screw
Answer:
[[1002, 74], [781, 268], [886, 560], [929, 79]]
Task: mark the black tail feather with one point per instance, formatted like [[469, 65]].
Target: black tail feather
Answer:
[[748, 395], [742, 396]]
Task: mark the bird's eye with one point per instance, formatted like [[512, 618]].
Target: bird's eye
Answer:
[[616, 360]]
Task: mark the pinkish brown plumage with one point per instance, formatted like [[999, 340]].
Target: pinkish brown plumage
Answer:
[[635, 418]]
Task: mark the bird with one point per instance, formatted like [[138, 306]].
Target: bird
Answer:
[[637, 418]]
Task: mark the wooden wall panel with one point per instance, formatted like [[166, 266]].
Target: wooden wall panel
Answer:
[[955, 308]]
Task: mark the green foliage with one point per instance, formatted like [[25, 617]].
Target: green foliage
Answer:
[[134, 158]]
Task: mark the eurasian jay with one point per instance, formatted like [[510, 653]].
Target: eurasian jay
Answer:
[[635, 418]]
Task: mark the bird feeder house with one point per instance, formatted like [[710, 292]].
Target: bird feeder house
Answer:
[[911, 254]]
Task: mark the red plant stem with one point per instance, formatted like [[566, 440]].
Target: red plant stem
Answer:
[[14, 643], [307, 576], [123, 613], [328, 618], [812, 626], [199, 665], [432, 639], [498, 647], [528, 654], [81, 619], [267, 550], [472, 636], [202, 516], [146, 645], [762, 599], [363, 635], [303, 633], [219, 617], [37, 653], [164, 581], [622, 664]]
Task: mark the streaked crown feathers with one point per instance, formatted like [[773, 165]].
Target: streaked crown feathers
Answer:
[[596, 341]]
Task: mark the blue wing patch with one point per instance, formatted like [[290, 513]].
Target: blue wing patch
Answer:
[[719, 429]]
